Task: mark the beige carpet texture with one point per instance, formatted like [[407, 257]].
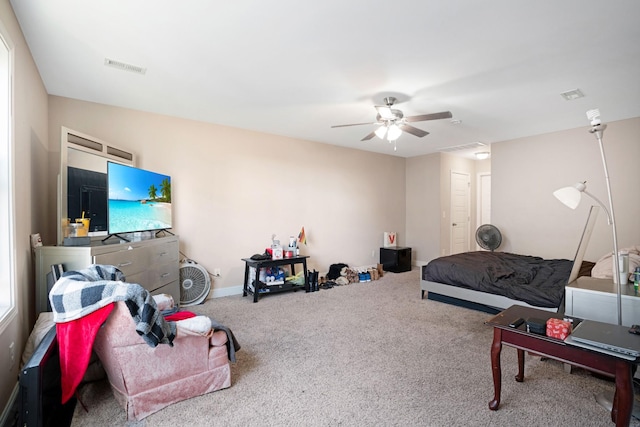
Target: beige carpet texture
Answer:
[[367, 354]]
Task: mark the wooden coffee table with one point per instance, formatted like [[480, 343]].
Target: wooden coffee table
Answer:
[[519, 338]]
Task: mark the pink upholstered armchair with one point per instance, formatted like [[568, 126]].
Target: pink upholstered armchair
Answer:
[[145, 379]]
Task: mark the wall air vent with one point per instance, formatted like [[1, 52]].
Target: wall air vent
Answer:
[[84, 142], [102, 149], [463, 147], [119, 153], [123, 66]]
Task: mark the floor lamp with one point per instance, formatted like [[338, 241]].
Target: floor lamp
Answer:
[[571, 196]]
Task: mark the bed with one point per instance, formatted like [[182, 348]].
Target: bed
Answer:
[[493, 281]]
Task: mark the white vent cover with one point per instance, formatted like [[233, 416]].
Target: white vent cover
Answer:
[[464, 147], [570, 95], [124, 66]]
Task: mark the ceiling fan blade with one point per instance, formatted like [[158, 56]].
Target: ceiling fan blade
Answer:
[[413, 130], [433, 116], [368, 137], [354, 124]]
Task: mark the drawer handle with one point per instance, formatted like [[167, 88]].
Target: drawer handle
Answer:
[[124, 264], [165, 275], [163, 253]]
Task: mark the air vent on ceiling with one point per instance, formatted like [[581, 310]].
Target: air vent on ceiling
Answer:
[[124, 66], [463, 147], [570, 95]]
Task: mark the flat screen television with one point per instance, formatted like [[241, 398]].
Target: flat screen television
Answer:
[[138, 200], [40, 399]]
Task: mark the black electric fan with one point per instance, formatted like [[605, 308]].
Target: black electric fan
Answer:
[[488, 237]]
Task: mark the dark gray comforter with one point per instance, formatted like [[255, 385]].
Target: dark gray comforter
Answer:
[[531, 279]]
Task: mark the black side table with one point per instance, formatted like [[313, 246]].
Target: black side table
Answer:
[[396, 260], [260, 288]]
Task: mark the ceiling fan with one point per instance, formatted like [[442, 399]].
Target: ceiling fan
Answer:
[[392, 122]]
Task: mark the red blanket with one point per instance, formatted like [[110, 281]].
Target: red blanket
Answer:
[[75, 343]]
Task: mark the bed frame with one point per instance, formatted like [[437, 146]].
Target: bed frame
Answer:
[[492, 303], [476, 300]]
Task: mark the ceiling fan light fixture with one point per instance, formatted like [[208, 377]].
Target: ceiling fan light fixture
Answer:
[[385, 112], [394, 132], [381, 132]]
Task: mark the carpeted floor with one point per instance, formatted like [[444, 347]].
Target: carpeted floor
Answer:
[[367, 354]]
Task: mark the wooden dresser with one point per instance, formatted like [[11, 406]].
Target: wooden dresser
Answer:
[[152, 263]]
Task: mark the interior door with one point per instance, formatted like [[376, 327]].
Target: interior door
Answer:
[[460, 215]]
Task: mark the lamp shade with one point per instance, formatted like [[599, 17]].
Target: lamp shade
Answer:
[[381, 131], [570, 196], [394, 132]]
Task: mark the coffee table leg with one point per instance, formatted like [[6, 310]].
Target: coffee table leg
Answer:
[[623, 397], [520, 376], [496, 348]]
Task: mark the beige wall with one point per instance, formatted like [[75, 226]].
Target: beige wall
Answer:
[[423, 207], [232, 188], [30, 154], [428, 205], [526, 171], [524, 174]]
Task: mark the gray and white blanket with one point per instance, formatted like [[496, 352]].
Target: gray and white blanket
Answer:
[[78, 293]]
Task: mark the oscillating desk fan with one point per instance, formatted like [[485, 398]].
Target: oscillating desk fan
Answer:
[[488, 237]]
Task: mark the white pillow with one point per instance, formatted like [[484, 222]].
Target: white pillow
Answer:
[[604, 266]]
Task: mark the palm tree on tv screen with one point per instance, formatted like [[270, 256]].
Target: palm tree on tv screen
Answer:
[[165, 190], [153, 192]]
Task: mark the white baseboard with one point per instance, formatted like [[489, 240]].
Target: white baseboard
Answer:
[[225, 292], [6, 412]]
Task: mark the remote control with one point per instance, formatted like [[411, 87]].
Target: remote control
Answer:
[[516, 323], [635, 329]]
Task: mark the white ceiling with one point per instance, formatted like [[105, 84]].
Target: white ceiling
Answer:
[[295, 68]]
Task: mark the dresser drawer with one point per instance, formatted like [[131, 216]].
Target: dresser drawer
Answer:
[[160, 254], [160, 275], [130, 261]]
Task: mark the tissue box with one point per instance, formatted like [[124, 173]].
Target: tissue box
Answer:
[[558, 328]]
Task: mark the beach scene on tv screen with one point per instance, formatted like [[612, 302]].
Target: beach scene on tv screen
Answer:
[[139, 200]]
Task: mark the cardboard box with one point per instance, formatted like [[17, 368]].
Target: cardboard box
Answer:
[[558, 328]]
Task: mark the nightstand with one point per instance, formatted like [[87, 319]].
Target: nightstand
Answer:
[[396, 260], [597, 299]]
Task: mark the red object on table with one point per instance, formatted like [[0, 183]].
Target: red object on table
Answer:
[[558, 328]]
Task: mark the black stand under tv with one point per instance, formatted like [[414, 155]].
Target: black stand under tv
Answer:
[[119, 236]]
